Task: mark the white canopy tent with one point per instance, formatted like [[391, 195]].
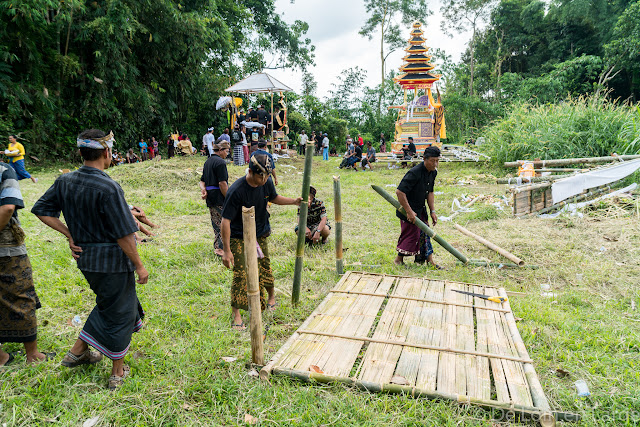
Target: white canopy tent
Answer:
[[260, 83]]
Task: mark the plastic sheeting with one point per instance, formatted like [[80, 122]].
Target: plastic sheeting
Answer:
[[572, 208], [259, 83], [574, 185]]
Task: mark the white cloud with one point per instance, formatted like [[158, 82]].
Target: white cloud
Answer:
[[333, 29]]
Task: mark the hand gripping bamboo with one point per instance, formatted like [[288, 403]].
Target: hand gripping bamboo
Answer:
[[253, 286]]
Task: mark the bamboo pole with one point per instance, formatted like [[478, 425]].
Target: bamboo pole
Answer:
[[482, 263], [253, 283], [575, 161], [537, 393], [302, 225], [561, 170], [522, 410], [337, 206], [434, 301], [527, 180], [490, 245], [422, 226], [523, 188], [415, 345], [575, 199]]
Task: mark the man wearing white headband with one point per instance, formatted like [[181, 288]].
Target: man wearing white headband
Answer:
[[101, 234], [207, 141]]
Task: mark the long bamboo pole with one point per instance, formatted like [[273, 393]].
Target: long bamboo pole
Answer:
[[302, 224], [537, 394], [522, 410], [523, 188], [337, 206], [253, 282], [414, 345], [481, 263], [518, 180], [490, 245], [574, 161], [422, 226]]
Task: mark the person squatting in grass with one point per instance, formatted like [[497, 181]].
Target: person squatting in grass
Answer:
[[101, 233], [415, 188], [214, 184], [318, 226], [18, 298], [254, 189], [15, 152]]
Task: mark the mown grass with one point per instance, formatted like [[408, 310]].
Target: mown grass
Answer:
[[582, 127], [590, 329]]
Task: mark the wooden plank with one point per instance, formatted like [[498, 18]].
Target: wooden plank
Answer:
[[493, 343], [446, 382], [428, 373]]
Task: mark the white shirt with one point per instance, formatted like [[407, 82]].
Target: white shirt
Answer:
[[325, 142], [303, 139], [208, 140]]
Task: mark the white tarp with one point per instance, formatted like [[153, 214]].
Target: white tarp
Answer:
[[572, 208], [259, 83], [574, 185]]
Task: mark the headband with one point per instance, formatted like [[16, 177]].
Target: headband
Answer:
[[98, 143], [257, 167]]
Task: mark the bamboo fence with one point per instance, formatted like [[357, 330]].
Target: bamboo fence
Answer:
[[417, 337]]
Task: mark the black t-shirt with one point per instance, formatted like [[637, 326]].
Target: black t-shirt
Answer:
[[262, 116], [242, 194], [214, 171], [416, 184], [412, 149], [236, 137], [254, 115], [358, 151], [255, 136], [241, 118]]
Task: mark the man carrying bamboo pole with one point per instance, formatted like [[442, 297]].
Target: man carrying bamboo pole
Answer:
[[415, 188], [254, 189]]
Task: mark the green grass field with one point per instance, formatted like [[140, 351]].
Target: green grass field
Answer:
[[590, 329]]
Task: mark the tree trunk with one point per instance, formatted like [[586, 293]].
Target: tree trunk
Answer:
[[473, 45]]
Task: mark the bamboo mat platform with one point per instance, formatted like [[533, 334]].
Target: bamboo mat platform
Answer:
[[417, 336]]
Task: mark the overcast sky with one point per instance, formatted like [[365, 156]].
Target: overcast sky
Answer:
[[333, 29]]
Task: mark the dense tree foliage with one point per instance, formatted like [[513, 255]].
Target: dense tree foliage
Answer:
[[139, 67]]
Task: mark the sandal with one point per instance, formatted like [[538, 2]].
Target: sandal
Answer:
[[437, 267], [10, 359], [271, 307], [116, 381], [239, 327], [47, 357], [70, 360]]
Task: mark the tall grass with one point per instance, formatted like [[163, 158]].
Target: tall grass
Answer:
[[582, 127]]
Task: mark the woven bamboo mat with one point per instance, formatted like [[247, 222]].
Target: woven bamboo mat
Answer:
[[419, 334]]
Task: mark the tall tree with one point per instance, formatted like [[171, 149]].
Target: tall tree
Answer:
[[463, 15], [384, 19]]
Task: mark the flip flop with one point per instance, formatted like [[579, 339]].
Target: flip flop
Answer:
[[11, 359], [239, 327], [272, 306]]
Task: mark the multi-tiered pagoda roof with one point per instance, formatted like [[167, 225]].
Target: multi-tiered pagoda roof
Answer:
[[417, 71]]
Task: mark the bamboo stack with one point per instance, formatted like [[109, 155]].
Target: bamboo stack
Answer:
[[253, 285], [575, 161]]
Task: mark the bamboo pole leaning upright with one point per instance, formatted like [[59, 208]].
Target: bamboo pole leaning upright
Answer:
[[302, 223], [337, 204], [253, 285]]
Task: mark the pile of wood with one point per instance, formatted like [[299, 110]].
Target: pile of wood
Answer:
[[532, 196]]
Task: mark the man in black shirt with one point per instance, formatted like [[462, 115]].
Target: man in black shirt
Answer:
[[414, 189], [262, 115], [101, 233], [357, 156], [254, 189], [214, 186], [408, 150], [253, 114]]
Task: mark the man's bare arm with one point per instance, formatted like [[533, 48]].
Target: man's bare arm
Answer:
[[402, 198]]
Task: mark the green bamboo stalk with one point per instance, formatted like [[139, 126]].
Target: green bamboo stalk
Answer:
[[522, 410], [481, 263], [422, 226], [337, 204], [302, 224]]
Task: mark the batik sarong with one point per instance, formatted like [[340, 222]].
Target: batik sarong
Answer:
[[18, 300], [216, 218], [413, 241], [238, 155], [116, 316], [239, 297]]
